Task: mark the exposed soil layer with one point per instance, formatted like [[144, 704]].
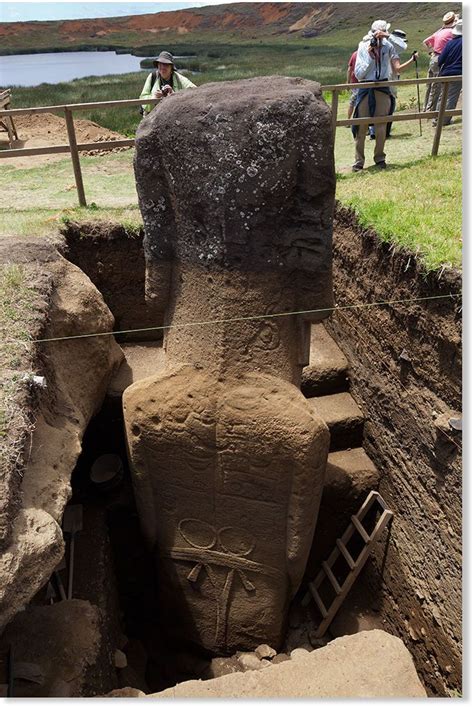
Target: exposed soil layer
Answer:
[[46, 129], [406, 373], [113, 259]]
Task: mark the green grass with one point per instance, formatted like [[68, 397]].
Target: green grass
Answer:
[[321, 59], [47, 222], [405, 204], [108, 181], [16, 312], [416, 205]]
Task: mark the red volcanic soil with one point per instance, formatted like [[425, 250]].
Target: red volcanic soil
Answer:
[[269, 18]]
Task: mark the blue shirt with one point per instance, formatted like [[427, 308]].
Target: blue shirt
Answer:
[[366, 68], [450, 59]]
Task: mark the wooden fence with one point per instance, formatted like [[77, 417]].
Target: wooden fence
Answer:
[[74, 148]]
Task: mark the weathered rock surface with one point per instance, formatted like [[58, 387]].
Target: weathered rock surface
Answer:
[[365, 665], [125, 693], [64, 641], [259, 547], [264, 651], [236, 187], [36, 544], [77, 373]]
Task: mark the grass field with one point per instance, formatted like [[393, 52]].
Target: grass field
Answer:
[[405, 204], [322, 59], [415, 203]]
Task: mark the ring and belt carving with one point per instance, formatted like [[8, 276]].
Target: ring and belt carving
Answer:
[[227, 547]]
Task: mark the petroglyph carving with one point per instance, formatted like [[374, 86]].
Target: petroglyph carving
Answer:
[[228, 457], [226, 547]]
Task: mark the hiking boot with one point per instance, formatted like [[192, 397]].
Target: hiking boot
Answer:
[[357, 168], [381, 165]]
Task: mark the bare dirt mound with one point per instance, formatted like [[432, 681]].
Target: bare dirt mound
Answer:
[[44, 129]]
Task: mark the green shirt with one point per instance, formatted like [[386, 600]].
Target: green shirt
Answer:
[[179, 83]]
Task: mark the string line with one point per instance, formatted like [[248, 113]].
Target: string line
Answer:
[[231, 320]]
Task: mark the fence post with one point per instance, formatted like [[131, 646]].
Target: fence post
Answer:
[[439, 124], [334, 107], [75, 156]]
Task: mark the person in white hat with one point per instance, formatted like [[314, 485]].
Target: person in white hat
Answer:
[[435, 44], [164, 80], [376, 59], [450, 64]]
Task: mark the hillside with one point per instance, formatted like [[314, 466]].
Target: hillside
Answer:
[[264, 21]]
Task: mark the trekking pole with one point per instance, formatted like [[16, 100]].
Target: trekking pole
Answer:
[[417, 88]]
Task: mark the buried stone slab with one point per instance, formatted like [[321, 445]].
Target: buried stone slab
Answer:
[[371, 664], [236, 187]]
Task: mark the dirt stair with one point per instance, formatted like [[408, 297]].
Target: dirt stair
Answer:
[[350, 473], [343, 417], [325, 383]]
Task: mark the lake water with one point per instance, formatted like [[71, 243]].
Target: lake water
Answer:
[[54, 67]]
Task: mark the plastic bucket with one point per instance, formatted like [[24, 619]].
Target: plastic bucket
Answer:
[[107, 472]]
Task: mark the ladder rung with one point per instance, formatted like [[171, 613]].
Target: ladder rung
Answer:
[[318, 601], [331, 577], [345, 553], [360, 528]]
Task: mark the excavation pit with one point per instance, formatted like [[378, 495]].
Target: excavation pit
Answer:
[[405, 448]]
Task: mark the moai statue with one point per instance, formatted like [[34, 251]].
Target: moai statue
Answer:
[[236, 186]]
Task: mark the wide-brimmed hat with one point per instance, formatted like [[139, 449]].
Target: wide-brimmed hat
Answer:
[[398, 38], [380, 26], [164, 58], [449, 18], [457, 29]]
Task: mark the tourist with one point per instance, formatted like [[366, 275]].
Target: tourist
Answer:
[[435, 43], [450, 64], [376, 58], [164, 81]]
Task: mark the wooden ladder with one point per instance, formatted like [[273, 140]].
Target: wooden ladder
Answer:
[[358, 536]]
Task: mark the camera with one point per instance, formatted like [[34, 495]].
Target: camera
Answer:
[[373, 41], [166, 90]]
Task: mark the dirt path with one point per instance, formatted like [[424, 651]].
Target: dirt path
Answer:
[[44, 129]]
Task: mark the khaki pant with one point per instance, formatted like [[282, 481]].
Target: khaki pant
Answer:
[[454, 91], [382, 108], [432, 90]]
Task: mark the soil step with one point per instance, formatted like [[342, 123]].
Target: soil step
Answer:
[[350, 476], [327, 369], [141, 360], [343, 417], [352, 473]]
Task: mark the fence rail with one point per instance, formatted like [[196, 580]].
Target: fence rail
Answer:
[[73, 147]]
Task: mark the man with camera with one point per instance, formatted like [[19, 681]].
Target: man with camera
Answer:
[[376, 60], [164, 81]]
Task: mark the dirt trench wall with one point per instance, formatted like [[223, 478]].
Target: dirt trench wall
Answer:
[[112, 257], [406, 374]]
